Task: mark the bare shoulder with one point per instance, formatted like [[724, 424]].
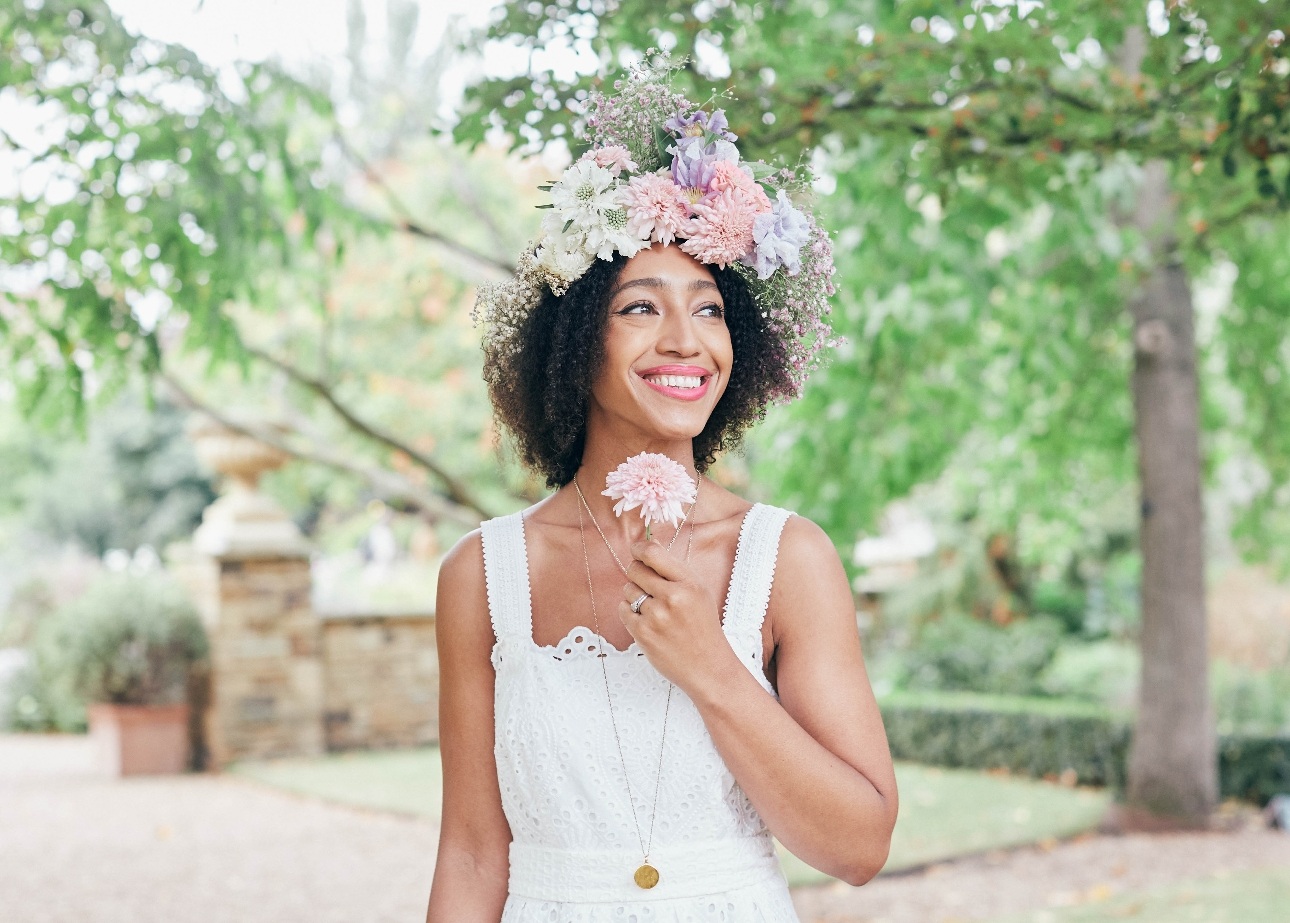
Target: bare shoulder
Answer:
[[461, 607], [811, 586], [806, 555]]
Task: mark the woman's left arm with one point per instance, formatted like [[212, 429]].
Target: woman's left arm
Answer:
[[815, 764]]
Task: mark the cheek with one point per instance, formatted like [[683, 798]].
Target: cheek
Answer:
[[722, 349], [613, 359]]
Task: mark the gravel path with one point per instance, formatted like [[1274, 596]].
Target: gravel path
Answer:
[[75, 848], [1085, 870], [78, 848]]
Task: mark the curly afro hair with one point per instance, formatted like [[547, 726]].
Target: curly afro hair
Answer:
[[540, 380]]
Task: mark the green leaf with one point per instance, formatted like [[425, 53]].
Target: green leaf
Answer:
[[662, 141]]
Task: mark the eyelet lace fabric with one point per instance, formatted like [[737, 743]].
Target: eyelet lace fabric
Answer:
[[563, 787]]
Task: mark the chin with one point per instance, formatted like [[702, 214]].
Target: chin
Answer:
[[678, 426]]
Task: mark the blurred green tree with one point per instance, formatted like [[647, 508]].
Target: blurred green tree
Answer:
[[159, 215], [1026, 193], [132, 482]]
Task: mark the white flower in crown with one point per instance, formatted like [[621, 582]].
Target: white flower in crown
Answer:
[[563, 254], [583, 193], [609, 234]]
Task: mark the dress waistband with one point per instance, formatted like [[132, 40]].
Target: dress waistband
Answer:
[[598, 876]]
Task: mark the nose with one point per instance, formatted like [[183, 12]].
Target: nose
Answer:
[[678, 336]]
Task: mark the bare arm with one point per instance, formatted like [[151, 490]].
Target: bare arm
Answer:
[[471, 870], [815, 764]]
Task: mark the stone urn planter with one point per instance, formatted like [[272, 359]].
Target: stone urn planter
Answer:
[[140, 739], [243, 522]]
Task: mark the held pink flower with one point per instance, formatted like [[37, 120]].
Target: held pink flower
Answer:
[[655, 483], [657, 208]]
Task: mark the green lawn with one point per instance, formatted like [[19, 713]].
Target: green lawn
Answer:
[[953, 812], [403, 781], [1261, 896], [943, 812]]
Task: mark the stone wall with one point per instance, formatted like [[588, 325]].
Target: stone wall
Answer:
[[287, 681], [380, 681], [265, 686], [284, 681]]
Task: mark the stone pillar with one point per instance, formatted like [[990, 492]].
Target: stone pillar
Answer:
[[248, 571]]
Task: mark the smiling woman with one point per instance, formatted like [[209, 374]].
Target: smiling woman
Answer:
[[541, 381], [637, 768]]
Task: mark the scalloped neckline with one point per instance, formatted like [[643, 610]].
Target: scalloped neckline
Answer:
[[610, 651]]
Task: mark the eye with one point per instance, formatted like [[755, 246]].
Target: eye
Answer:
[[711, 310], [636, 307]]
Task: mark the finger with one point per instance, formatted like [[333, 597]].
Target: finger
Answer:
[[628, 618], [663, 562], [632, 592], [649, 581]]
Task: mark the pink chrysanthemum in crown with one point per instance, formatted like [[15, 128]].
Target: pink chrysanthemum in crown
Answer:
[[660, 169]]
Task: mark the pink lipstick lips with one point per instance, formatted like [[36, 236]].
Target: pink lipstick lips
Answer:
[[683, 382]]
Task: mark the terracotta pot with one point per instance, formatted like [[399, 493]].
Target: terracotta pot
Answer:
[[140, 739]]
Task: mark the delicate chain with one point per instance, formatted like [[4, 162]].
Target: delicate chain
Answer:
[[645, 845], [606, 540]]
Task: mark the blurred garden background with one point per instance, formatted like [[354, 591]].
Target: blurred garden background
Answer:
[[1052, 451]]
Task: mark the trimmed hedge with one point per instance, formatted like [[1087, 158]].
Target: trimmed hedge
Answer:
[[1253, 768], [1048, 737]]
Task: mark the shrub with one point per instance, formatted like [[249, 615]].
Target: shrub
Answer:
[[1032, 737], [1254, 768], [1105, 672], [1248, 700], [127, 640], [37, 699], [1062, 601], [959, 653], [1048, 737]]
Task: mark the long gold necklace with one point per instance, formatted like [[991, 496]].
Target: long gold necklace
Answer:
[[647, 876]]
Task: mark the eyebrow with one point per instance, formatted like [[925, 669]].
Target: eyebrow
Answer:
[[652, 282]]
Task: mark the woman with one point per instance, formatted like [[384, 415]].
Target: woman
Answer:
[[617, 743]]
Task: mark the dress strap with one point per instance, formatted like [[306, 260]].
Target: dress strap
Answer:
[[506, 571], [754, 570]]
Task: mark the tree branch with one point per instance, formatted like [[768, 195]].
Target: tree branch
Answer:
[[408, 226], [1249, 210], [467, 192], [389, 486], [403, 219], [456, 491]]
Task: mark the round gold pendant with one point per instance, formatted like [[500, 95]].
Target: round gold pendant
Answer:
[[646, 876]]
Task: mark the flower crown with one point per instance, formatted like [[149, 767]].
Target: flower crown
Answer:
[[661, 169]]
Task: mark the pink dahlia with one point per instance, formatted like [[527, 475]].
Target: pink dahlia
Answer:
[[728, 175], [657, 208], [722, 230], [614, 157], [657, 484]]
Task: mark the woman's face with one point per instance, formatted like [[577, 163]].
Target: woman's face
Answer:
[[667, 348]]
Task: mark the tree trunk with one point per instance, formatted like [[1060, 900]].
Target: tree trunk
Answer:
[[1173, 770]]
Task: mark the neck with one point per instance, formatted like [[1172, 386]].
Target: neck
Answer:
[[600, 458]]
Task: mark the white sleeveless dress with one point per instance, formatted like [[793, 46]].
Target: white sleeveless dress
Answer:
[[575, 847]]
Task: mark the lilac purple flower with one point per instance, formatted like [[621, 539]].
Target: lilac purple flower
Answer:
[[693, 169], [698, 123], [778, 238]]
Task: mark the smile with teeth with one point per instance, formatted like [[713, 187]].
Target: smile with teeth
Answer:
[[675, 381]]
